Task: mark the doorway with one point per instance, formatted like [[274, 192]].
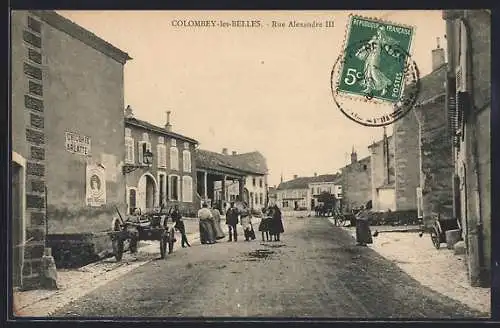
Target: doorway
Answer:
[[17, 223], [146, 192]]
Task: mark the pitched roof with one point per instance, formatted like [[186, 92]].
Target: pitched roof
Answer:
[[432, 84], [152, 127], [243, 164], [303, 182], [62, 23], [253, 162]]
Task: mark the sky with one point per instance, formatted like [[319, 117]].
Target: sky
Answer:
[[248, 89]]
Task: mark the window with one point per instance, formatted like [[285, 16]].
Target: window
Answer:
[[253, 182], [173, 142], [285, 203], [162, 156], [261, 198], [260, 182], [144, 145], [161, 140], [186, 160], [187, 189], [186, 145], [174, 158], [174, 187], [129, 147]]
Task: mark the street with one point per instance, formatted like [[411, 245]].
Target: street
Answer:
[[315, 271]]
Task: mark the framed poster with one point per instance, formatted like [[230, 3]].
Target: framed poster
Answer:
[[95, 185]]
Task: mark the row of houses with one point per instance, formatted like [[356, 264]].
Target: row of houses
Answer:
[[79, 156], [437, 162]]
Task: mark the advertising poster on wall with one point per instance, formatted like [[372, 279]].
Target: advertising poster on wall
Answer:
[[95, 185]]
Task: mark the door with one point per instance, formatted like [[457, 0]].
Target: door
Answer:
[[17, 224]]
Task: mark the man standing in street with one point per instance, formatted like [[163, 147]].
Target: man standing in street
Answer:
[[232, 221]]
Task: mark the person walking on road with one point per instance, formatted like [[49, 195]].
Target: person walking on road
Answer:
[[179, 225], [232, 221], [264, 226], [363, 233], [207, 235]]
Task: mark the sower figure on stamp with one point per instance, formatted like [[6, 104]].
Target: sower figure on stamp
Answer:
[[232, 221], [374, 78], [179, 225]]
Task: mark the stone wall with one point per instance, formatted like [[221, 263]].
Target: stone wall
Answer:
[[437, 160], [381, 175], [29, 135], [406, 157], [356, 184]]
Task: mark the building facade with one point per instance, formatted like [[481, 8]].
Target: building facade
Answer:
[[223, 178], [382, 174], [171, 177], [301, 193], [468, 100], [356, 182], [427, 124], [67, 134]]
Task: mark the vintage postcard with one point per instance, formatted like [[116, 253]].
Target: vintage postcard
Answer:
[[297, 164]]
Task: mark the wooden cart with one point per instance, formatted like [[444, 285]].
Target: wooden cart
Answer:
[[151, 226]]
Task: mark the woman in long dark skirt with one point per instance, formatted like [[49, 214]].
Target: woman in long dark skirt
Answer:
[[363, 232], [276, 223]]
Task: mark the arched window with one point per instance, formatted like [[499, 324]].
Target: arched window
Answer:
[[187, 189]]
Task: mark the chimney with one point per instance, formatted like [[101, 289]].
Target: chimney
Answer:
[[295, 176], [224, 151], [168, 126], [129, 113], [438, 56], [354, 156], [234, 152]]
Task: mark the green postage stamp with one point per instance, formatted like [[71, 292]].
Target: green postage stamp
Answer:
[[375, 57]]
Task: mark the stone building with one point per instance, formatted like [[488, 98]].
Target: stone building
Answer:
[[382, 161], [468, 91], [301, 193], [436, 160], [67, 135], [356, 182], [222, 177], [171, 177]]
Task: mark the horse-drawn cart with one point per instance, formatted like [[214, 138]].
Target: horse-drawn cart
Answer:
[[150, 226]]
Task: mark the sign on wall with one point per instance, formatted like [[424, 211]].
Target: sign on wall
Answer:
[[77, 144], [96, 185]]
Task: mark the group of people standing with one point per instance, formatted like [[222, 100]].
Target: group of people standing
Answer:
[[210, 226], [271, 224], [210, 229]]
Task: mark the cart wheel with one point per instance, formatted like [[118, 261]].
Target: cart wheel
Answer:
[[435, 239], [163, 246], [118, 249]]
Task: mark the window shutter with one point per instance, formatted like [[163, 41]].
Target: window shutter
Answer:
[[141, 154]]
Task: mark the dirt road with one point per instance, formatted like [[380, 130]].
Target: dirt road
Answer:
[[315, 271]]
